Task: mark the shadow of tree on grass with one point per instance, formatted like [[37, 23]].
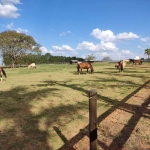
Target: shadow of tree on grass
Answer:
[[19, 122], [19, 126]]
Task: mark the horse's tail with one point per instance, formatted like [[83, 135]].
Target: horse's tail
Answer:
[[140, 62], [4, 73]]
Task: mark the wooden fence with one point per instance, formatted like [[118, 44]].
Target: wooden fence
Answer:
[[93, 119]]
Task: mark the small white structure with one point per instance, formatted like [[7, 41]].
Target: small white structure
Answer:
[[73, 61], [32, 65]]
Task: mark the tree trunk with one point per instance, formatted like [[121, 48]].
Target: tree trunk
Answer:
[[13, 63]]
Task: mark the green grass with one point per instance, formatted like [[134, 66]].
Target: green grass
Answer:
[[33, 101]]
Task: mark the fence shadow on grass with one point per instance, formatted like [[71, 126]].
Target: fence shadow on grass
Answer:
[[20, 126], [133, 121], [137, 112]]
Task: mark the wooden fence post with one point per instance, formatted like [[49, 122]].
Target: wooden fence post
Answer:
[[93, 119]]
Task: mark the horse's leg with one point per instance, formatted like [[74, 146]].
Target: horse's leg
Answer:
[[122, 67], [78, 70], [1, 79]]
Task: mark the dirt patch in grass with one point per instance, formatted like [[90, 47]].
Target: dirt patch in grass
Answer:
[[127, 127]]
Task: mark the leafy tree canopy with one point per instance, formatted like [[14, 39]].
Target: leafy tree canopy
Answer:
[[90, 57], [16, 45], [107, 59], [147, 52]]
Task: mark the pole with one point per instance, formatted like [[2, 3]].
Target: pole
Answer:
[[93, 119]]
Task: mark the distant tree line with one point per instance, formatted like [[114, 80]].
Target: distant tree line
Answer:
[[40, 59]]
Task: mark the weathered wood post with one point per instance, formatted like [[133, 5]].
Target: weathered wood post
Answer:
[[93, 119]]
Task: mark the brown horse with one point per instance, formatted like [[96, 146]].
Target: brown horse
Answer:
[[121, 65], [134, 61], [2, 72], [84, 65]]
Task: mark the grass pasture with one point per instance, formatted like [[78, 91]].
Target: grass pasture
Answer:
[[47, 108]]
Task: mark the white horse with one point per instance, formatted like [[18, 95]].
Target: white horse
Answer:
[[32, 65], [121, 65]]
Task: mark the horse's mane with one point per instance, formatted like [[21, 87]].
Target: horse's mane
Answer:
[[89, 63]]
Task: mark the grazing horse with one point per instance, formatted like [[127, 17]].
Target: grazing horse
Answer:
[[134, 61], [32, 65], [2, 72], [121, 65], [84, 65]]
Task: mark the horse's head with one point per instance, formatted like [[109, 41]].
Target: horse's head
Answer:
[[91, 67], [117, 65], [92, 70]]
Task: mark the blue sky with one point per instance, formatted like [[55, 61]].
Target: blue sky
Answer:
[[119, 29]]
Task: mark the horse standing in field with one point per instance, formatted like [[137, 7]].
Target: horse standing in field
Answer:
[[32, 65], [2, 71], [121, 65], [84, 65], [134, 61]]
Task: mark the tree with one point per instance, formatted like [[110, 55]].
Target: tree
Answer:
[[90, 57], [107, 59], [147, 52], [16, 45], [48, 57]]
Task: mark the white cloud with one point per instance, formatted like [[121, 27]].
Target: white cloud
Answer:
[[9, 26], [44, 50], [108, 35], [126, 36], [108, 46], [145, 39], [126, 52], [103, 54], [65, 33], [62, 48], [8, 10], [10, 1], [87, 46], [19, 30], [140, 47], [98, 47], [103, 35]]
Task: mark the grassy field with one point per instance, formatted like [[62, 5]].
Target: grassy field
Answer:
[[43, 108]]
